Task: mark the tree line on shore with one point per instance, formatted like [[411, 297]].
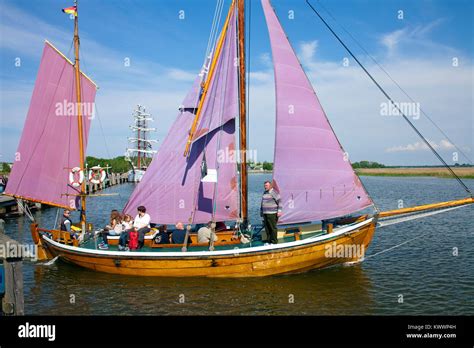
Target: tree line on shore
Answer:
[[120, 165]]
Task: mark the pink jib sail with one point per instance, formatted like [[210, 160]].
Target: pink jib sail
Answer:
[[171, 189], [314, 177], [49, 144]]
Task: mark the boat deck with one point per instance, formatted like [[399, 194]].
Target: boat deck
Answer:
[[93, 243]]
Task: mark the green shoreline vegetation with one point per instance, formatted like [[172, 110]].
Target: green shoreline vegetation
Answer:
[[439, 172], [377, 169], [364, 168]]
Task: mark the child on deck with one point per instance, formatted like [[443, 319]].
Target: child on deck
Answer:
[[115, 227]]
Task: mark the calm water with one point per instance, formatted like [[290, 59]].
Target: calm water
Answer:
[[425, 272]]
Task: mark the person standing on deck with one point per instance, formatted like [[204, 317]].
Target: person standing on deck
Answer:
[[270, 210]]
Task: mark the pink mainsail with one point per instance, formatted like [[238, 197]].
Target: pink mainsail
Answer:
[[315, 179], [49, 145], [171, 189]]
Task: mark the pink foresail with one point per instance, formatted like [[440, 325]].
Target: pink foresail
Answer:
[[49, 144], [314, 177]]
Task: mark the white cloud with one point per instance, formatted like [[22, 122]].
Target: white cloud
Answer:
[[392, 39], [266, 59], [19, 27], [421, 146], [416, 37], [308, 51], [181, 75]]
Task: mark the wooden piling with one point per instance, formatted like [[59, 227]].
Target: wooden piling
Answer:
[[13, 301]]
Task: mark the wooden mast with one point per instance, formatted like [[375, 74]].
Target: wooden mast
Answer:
[[79, 118], [243, 114]]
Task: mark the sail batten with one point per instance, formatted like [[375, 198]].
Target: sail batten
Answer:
[[311, 171], [49, 145]]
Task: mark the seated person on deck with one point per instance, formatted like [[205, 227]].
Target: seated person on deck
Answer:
[[66, 224], [114, 228], [178, 235], [162, 237], [142, 224], [204, 234]]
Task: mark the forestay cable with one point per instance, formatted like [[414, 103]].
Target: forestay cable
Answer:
[[393, 80]]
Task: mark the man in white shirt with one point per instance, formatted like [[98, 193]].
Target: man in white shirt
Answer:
[[141, 223]]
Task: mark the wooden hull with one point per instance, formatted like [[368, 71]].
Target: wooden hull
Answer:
[[285, 258]]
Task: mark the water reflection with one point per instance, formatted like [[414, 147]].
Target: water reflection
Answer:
[[334, 291]]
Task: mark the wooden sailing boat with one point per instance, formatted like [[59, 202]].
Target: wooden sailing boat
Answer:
[[314, 179], [140, 151]]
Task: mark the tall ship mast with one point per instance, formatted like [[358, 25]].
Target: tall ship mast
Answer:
[[140, 151]]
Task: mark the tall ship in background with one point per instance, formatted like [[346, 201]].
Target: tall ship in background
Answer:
[[140, 151]]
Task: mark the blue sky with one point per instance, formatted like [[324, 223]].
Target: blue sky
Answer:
[[166, 53]]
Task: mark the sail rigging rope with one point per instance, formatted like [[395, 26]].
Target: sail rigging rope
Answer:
[[212, 28], [219, 138], [395, 246], [25, 209], [96, 110], [213, 37], [219, 133], [393, 103], [215, 24], [409, 217], [239, 167], [247, 112], [404, 219], [393, 80], [57, 219]]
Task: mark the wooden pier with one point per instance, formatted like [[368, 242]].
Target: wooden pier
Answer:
[[10, 208], [112, 180]]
